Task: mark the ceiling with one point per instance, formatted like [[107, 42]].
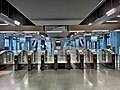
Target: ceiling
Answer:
[[55, 12]]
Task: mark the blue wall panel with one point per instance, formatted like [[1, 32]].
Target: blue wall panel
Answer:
[[114, 42], [86, 38], [77, 43], [2, 41], [104, 41], [118, 42]]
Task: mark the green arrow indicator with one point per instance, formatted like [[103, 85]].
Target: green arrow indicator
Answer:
[[16, 59], [42, 59], [29, 59]]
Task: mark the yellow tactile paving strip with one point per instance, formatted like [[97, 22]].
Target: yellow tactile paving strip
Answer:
[[5, 72]]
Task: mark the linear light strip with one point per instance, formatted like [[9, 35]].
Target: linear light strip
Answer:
[[112, 21], [110, 12], [54, 31]]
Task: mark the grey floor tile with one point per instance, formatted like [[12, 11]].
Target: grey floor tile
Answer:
[[103, 79]]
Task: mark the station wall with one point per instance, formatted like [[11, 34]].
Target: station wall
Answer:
[[2, 41], [115, 41]]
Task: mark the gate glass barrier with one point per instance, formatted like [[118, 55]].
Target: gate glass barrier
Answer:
[[6, 57], [21, 58], [80, 58], [91, 57], [32, 59], [106, 57]]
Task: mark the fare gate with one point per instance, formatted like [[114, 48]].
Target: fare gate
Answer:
[[81, 58], [6, 59], [55, 59], [31, 60], [91, 57], [94, 57], [68, 58], [20, 59], [107, 58], [43, 59], [17, 57]]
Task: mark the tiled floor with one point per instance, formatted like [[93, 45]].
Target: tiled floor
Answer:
[[103, 79], [5, 72]]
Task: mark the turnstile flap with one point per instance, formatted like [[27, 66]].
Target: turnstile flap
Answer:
[[81, 52], [68, 51], [30, 52], [109, 50], [18, 52], [43, 52], [55, 51], [93, 51], [2, 51]]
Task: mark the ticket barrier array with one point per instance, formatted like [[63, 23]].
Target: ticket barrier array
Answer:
[[6, 59], [20, 59], [91, 58], [107, 58], [80, 58], [55, 59], [32, 61], [43, 59], [68, 59]]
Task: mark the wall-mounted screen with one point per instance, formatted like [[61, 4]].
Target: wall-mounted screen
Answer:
[[93, 38], [22, 39], [58, 43], [56, 28]]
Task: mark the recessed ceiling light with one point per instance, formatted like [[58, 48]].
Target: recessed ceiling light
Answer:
[[100, 30], [54, 31], [4, 24], [90, 24], [17, 22], [3, 14], [97, 19], [78, 31], [111, 11], [116, 30], [112, 21], [118, 15]]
